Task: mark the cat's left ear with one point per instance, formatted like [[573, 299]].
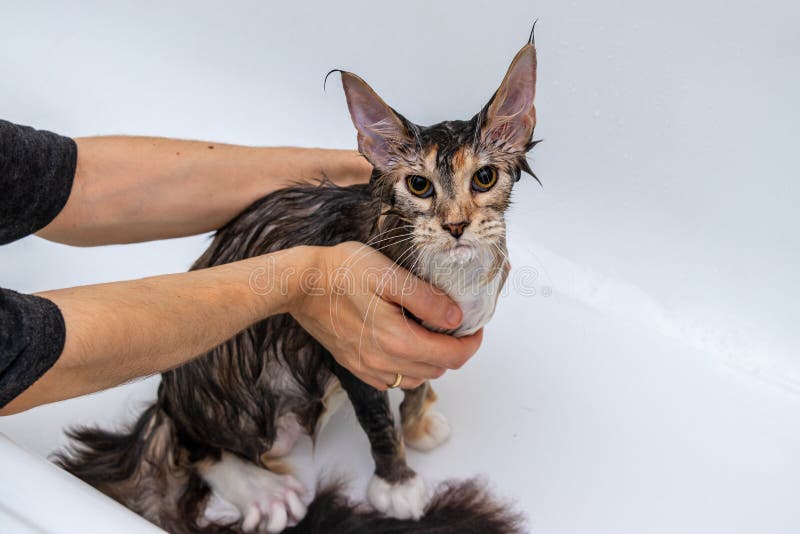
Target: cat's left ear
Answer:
[[382, 133], [509, 118]]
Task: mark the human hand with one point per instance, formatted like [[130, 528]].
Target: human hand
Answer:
[[361, 322]]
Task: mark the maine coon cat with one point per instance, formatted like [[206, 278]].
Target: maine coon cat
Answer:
[[206, 455]]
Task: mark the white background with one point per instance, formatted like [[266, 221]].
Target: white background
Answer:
[[657, 388]]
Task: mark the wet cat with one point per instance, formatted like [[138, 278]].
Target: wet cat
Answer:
[[206, 456]]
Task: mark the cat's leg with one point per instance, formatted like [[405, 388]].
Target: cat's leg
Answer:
[[395, 489], [263, 500], [423, 428]]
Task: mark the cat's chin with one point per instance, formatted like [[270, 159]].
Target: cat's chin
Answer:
[[461, 253], [444, 260]]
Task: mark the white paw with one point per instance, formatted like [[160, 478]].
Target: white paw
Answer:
[[404, 500], [431, 432], [263, 500], [218, 511]]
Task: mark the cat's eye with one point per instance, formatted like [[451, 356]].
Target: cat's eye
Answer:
[[419, 186], [484, 179]]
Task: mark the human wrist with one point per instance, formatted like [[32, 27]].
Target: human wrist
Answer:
[[343, 167], [279, 279]]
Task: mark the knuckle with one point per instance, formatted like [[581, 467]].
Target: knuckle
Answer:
[[401, 348], [370, 360], [380, 365]]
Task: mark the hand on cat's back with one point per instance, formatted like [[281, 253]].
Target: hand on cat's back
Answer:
[[355, 308]]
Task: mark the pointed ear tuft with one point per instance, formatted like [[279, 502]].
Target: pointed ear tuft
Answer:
[[381, 131], [510, 117]]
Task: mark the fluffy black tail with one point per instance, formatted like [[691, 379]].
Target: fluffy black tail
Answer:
[[139, 468], [144, 470], [463, 507], [102, 458]]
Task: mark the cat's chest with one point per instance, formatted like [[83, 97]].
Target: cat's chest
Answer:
[[477, 308], [474, 286]]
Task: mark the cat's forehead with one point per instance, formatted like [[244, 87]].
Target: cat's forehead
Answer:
[[443, 145], [449, 132]]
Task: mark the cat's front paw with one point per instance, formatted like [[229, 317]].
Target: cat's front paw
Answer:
[[428, 433], [401, 500]]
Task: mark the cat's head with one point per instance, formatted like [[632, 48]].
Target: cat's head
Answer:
[[451, 182]]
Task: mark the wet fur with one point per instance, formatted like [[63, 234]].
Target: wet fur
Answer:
[[234, 397], [230, 399]]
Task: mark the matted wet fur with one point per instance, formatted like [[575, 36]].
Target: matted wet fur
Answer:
[[437, 197]]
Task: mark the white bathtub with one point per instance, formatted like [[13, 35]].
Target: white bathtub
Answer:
[[650, 382], [38, 497]]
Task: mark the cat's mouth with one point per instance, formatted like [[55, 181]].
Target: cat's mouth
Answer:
[[461, 252]]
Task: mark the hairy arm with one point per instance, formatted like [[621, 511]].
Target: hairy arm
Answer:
[[119, 331], [132, 189]]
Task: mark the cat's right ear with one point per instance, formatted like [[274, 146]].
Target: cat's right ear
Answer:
[[381, 131], [510, 117]]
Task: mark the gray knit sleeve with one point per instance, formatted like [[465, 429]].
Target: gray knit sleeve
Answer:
[[36, 173], [37, 169]]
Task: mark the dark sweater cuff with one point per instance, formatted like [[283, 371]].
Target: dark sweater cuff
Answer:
[[37, 169], [32, 334]]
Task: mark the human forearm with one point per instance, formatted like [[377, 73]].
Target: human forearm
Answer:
[[119, 331], [131, 189]]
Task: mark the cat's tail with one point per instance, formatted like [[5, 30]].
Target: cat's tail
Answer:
[[145, 469], [140, 467], [466, 507]]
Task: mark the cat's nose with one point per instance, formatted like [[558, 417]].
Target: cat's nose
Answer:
[[456, 229]]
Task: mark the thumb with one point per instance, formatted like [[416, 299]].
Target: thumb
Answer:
[[426, 302]]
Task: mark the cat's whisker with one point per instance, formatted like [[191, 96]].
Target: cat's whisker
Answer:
[[390, 276], [375, 239], [368, 250], [379, 249], [376, 295], [424, 254], [499, 248], [503, 253], [334, 303], [371, 242]]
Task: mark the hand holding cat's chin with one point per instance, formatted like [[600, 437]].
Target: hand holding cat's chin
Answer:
[[352, 299]]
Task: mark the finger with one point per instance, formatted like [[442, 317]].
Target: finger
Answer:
[[422, 299], [406, 382], [393, 351], [407, 367], [444, 350]]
